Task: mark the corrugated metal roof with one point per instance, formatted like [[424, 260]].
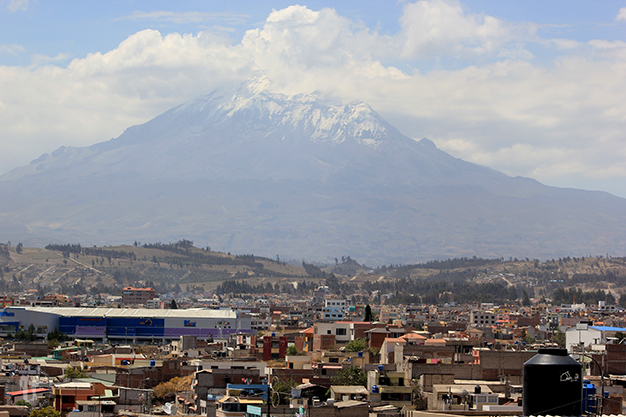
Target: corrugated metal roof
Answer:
[[132, 312], [608, 328]]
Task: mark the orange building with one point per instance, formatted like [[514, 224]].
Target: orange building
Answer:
[[139, 296]]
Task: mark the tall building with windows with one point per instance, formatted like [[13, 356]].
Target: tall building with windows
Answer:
[[334, 309], [389, 314], [483, 318], [137, 296]]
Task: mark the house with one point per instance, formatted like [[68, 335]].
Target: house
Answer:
[[229, 406], [348, 392], [584, 335], [459, 397], [392, 350], [274, 347], [32, 396], [334, 310], [137, 296], [214, 381], [388, 386], [376, 336], [94, 408], [303, 395], [66, 395], [341, 409]]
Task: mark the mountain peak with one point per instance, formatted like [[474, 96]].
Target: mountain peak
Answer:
[[299, 117], [257, 84], [427, 143], [249, 170]]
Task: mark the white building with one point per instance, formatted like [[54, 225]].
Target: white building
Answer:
[[584, 335], [343, 331]]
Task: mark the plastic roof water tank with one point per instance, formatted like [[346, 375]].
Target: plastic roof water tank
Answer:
[[552, 384]]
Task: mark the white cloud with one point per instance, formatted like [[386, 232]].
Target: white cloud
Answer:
[[11, 49], [38, 59], [15, 5], [621, 15], [561, 43], [441, 27], [546, 121], [185, 17]]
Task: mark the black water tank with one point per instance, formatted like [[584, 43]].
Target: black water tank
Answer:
[[552, 384]]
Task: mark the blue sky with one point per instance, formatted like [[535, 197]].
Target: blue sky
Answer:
[[528, 88]]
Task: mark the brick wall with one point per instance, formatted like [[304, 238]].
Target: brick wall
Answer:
[[612, 405], [323, 341], [428, 380], [498, 363], [332, 411], [429, 352], [461, 371]]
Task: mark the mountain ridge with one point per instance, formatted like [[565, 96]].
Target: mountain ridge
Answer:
[[246, 170]]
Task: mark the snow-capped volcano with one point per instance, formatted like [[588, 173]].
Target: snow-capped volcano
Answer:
[[229, 133], [247, 170], [303, 116]]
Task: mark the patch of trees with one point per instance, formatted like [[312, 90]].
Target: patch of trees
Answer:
[[350, 376], [198, 259], [4, 253], [72, 372], [69, 247], [48, 411], [338, 287], [447, 264], [242, 287], [576, 295], [123, 275], [182, 246], [74, 289], [431, 291], [26, 335], [357, 345], [109, 253], [57, 336], [234, 286], [608, 276], [313, 271]]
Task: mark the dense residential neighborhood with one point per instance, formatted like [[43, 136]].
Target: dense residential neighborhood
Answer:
[[280, 354]]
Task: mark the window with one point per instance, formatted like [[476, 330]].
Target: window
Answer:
[[341, 332]]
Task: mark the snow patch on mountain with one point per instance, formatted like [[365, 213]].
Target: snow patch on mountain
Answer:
[[304, 113]]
